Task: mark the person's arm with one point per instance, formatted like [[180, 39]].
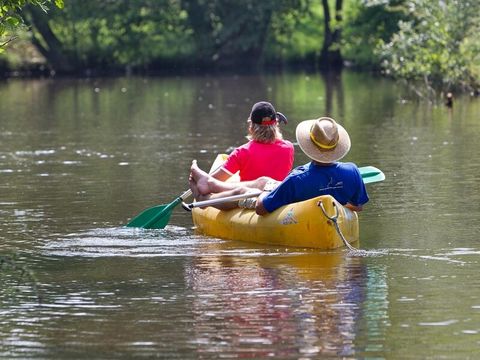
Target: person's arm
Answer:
[[360, 196], [259, 208], [221, 174], [230, 166], [283, 194], [354, 207]]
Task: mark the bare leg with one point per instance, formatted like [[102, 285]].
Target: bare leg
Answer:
[[199, 180], [217, 186], [205, 187], [207, 184], [202, 183], [226, 205], [257, 183]]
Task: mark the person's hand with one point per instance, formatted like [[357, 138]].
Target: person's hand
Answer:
[[281, 118]]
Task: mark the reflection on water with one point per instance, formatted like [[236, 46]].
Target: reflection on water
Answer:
[[80, 157], [291, 306], [212, 296]]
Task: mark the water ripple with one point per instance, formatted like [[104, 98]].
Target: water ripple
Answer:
[[122, 241]]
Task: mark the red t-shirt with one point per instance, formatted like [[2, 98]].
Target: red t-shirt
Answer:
[[255, 159]]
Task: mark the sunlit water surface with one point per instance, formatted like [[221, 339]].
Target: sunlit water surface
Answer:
[[79, 158]]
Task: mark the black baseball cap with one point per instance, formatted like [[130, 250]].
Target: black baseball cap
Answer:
[[263, 112]]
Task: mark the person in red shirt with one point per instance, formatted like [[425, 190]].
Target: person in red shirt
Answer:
[[266, 154], [265, 157]]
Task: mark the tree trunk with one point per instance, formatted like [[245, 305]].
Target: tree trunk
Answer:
[[51, 48], [198, 18], [330, 56]]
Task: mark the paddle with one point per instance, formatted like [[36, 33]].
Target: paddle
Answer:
[[157, 217], [370, 174]]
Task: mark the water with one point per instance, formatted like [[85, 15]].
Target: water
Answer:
[[79, 158]]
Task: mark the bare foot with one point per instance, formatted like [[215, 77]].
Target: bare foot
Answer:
[[200, 178], [193, 187]]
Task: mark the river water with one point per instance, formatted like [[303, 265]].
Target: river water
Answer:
[[80, 157]]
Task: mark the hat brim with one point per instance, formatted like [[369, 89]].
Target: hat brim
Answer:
[[316, 153]]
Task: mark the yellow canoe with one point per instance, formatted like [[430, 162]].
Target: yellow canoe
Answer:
[[301, 224]]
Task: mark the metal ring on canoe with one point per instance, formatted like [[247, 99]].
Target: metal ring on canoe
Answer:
[[334, 220]]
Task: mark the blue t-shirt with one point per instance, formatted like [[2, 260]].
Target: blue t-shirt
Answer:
[[340, 180]]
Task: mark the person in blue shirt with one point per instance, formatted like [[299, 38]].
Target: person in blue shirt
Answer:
[[325, 142]]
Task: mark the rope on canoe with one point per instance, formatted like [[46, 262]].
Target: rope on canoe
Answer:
[[334, 220]]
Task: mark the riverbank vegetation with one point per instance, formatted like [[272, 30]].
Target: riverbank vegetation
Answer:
[[432, 41]]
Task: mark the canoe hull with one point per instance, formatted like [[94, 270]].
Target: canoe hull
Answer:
[[302, 224]]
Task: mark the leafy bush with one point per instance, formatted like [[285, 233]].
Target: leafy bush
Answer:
[[439, 45]]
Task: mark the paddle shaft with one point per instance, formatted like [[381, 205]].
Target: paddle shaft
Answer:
[[223, 199]]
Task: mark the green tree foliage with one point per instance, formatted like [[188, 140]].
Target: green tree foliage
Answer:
[[11, 19], [110, 34], [439, 44], [368, 25], [295, 36], [415, 39], [161, 33], [232, 32]]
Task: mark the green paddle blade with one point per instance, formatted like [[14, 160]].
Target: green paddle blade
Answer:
[[145, 216], [156, 217], [371, 174]]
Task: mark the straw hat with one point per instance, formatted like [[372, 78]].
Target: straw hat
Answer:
[[323, 140]]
